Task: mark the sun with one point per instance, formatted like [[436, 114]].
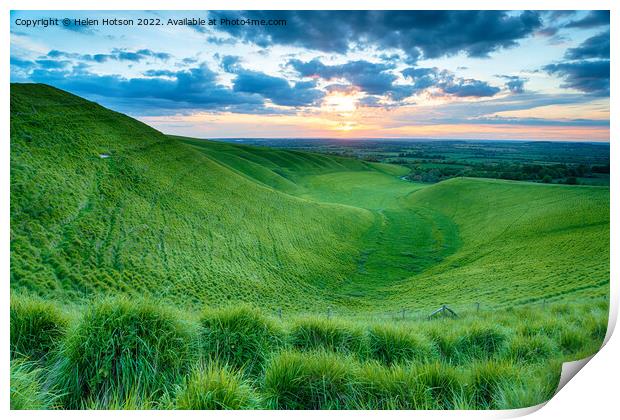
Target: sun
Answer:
[[340, 102]]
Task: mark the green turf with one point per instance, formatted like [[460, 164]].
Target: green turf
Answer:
[[103, 205]]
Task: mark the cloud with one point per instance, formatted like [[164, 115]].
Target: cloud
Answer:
[[593, 47], [586, 76], [427, 34], [116, 54], [592, 19], [447, 83], [21, 63], [372, 78], [53, 64], [230, 63], [192, 89], [276, 89], [568, 122], [514, 84]]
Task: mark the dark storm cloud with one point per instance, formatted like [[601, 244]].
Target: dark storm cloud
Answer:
[[372, 78], [377, 79], [276, 89], [588, 76], [594, 47], [194, 88], [427, 34], [591, 20]]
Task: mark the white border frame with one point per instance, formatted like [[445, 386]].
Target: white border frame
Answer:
[[592, 393]]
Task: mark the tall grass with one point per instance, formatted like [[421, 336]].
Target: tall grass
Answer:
[[37, 326], [212, 387], [330, 335], [240, 337], [122, 350], [27, 390], [122, 354], [301, 381], [391, 345]]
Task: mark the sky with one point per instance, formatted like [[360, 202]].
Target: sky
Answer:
[[516, 75]]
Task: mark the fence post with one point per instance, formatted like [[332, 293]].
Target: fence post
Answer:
[[403, 311], [329, 312], [280, 313], [477, 306]]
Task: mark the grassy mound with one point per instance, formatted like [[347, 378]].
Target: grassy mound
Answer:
[[122, 351], [391, 345], [486, 380], [123, 355], [574, 341], [531, 349], [211, 387], [309, 381], [315, 334], [36, 327], [442, 383], [240, 337], [463, 343], [393, 388]]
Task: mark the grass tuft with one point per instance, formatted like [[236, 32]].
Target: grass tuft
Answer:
[[487, 379], [443, 384], [240, 337], [27, 389], [530, 349], [211, 387], [390, 388], [37, 327], [319, 380], [122, 351], [315, 334], [392, 345]]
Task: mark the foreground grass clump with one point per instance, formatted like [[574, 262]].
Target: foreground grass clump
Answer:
[[486, 380], [211, 387], [124, 355], [122, 351], [391, 345], [36, 327], [27, 389], [535, 385], [240, 337], [309, 381], [443, 384], [466, 342], [390, 388], [337, 336], [574, 341], [531, 349]]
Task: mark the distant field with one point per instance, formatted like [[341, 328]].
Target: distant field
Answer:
[[103, 206]]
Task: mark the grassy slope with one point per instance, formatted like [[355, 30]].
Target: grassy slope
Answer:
[[156, 217], [205, 222]]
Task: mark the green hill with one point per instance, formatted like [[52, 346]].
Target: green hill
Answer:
[[180, 232], [103, 204]]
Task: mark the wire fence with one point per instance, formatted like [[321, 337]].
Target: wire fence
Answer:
[[429, 312]]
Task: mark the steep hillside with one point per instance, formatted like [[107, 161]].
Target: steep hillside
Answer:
[[102, 203], [156, 217]]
